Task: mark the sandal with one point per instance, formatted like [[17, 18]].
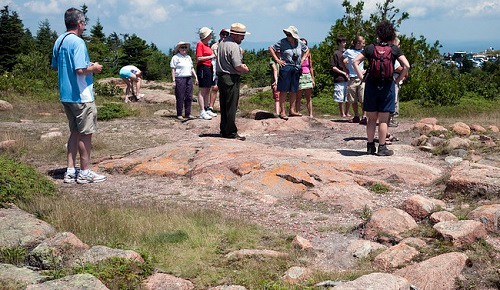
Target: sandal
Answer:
[[283, 117], [389, 138]]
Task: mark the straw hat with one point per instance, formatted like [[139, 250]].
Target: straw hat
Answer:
[[238, 28], [293, 31], [204, 32], [179, 44]]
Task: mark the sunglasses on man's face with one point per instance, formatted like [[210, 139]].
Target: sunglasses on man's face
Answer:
[[184, 47], [288, 34]]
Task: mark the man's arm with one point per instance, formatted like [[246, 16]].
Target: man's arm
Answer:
[[242, 68], [94, 67]]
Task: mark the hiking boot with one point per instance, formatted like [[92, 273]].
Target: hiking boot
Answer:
[[180, 118], [363, 121], [370, 148], [91, 177], [69, 177], [354, 120], [384, 151], [205, 116]]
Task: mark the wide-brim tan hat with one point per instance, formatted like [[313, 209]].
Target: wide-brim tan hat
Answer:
[[293, 31], [238, 28], [204, 32], [179, 44]]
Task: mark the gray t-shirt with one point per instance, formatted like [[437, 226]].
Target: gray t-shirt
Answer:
[[228, 57], [290, 54]]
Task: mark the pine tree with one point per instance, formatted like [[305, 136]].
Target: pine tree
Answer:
[[135, 51], [45, 39], [11, 37]]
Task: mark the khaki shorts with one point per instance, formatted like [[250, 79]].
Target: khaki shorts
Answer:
[[355, 90], [82, 117]]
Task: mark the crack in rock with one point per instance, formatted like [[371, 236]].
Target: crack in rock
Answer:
[[295, 180]]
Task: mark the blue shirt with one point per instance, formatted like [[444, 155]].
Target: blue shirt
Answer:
[[350, 54], [72, 55], [290, 54]]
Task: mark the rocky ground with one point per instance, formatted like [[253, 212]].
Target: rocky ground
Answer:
[[308, 176]]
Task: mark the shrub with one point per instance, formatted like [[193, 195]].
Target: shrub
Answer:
[[434, 85], [106, 90], [118, 273], [14, 256], [19, 182], [110, 111]]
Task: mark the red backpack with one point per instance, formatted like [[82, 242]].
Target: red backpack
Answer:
[[381, 65]]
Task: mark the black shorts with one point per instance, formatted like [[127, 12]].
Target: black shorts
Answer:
[[205, 76], [379, 98]]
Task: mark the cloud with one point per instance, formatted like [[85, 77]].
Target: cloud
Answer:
[[145, 13], [292, 6], [40, 7], [449, 9], [481, 9]]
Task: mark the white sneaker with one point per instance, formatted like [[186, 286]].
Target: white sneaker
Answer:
[[91, 177], [69, 177], [205, 116], [211, 113]]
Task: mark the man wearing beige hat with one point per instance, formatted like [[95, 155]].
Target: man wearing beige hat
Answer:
[[230, 67]]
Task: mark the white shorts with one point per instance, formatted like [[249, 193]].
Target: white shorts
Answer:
[[340, 92]]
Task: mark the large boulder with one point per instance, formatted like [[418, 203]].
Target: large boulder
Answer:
[[461, 233], [12, 277], [387, 224], [79, 281], [5, 106], [438, 272], [57, 252], [488, 215], [376, 281], [273, 173], [21, 229], [474, 178], [161, 281]]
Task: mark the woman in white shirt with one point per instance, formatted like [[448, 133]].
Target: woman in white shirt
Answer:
[[182, 72]]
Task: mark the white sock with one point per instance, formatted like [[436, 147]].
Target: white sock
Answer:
[[84, 172], [71, 170]]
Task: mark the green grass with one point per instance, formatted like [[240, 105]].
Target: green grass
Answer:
[[474, 110], [186, 242], [19, 182], [379, 188]]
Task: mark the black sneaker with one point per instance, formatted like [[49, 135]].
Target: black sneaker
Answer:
[[370, 148], [383, 151]]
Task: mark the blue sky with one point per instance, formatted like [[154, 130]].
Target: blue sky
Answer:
[[470, 25]]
